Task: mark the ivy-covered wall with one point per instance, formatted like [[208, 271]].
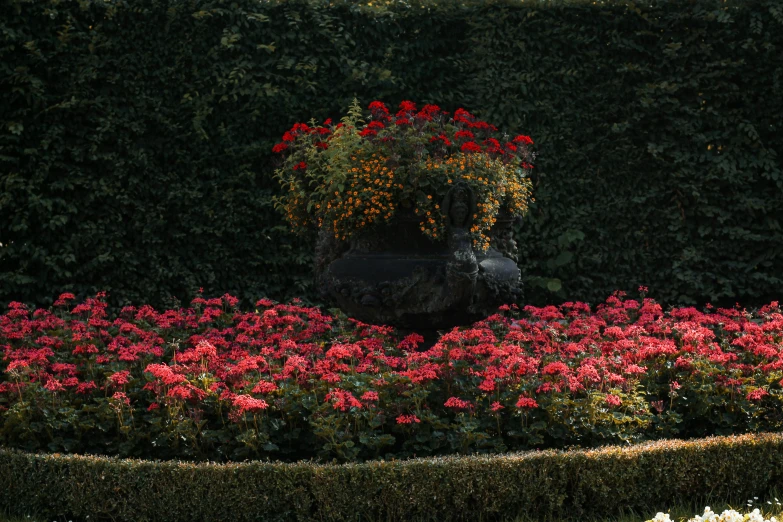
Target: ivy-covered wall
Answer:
[[136, 136]]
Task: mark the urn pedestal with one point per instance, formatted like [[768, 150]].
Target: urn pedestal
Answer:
[[399, 277]]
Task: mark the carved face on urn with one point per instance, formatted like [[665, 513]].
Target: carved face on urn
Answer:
[[458, 205]]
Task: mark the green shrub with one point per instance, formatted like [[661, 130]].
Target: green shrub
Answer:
[[136, 137], [601, 482]]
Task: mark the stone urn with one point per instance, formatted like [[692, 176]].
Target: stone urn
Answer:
[[395, 275]]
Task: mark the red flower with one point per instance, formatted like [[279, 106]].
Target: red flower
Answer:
[[64, 298], [287, 136], [54, 385], [526, 166], [757, 395], [487, 385], [403, 121], [470, 147], [122, 398], [407, 106], [496, 406], [86, 387], [205, 349], [525, 140], [457, 404], [464, 134], [492, 144], [344, 400], [527, 403], [120, 378], [368, 132], [301, 127], [463, 116], [246, 403], [407, 419], [165, 374], [300, 166], [410, 342], [264, 387], [482, 125], [424, 116], [441, 137], [328, 121], [430, 109], [370, 396], [280, 147], [376, 125], [613, 400], [377, 106], [555, 368]]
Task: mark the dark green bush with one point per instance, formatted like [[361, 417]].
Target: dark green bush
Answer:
[[576, 484], [135, 137]]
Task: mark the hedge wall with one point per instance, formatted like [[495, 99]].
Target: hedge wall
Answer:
[[135, 137], [545, 484]]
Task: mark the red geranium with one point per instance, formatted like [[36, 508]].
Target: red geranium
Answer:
[[470, 147]]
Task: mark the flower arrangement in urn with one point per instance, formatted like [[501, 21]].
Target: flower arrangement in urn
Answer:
[[413, 209], [359, 174]]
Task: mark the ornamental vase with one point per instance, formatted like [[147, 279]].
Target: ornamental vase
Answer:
[[395, 275]]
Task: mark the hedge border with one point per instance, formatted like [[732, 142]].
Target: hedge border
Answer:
[[594, 482], [657, 126]]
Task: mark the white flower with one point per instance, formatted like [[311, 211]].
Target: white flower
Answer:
[[731, 515], [661, 517], [707, 516], [728, 515]]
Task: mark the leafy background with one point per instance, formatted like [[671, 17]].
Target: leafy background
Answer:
[[135, 137]]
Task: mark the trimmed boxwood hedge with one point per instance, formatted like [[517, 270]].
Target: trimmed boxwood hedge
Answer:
[[136, 136], [598, 482]]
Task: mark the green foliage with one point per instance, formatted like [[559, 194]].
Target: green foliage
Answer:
[[135, 137], [569, 484]]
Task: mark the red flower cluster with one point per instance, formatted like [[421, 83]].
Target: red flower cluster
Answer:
[[261, 381], [429, 119], [302, 129]]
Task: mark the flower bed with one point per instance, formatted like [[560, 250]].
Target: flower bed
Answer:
[[289, 382]]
